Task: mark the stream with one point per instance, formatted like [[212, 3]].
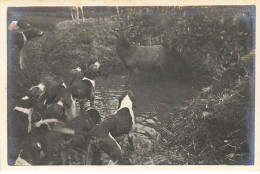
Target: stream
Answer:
[[155, 100]]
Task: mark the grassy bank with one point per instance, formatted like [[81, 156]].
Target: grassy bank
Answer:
[[50, 57]]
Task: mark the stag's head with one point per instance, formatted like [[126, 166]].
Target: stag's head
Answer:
[[122, 38]]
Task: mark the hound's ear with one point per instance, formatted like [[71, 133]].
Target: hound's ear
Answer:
[[32, 94], [93, 140], [132, 97], [134, 105], [120, 98]]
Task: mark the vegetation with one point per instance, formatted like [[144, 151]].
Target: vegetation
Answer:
[[214, 127]]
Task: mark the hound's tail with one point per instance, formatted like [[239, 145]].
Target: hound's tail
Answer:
[[77, 136], [69, 131]]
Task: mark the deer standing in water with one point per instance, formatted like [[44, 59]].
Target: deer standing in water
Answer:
[[139, 58]]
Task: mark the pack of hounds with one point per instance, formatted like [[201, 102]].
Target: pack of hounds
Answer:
[[43, 126]]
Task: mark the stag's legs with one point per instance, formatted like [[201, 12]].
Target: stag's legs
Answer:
[[77, 12], [72, 15], [82, 13], [127, 80], [131, 76], [135, 78], [134, 73]]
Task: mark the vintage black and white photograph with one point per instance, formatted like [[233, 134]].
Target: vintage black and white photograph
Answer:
[[131, 85]]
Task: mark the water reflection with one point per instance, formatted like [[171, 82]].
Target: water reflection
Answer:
[[155, 99]]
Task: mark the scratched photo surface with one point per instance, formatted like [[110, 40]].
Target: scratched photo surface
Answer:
[[131, 85]]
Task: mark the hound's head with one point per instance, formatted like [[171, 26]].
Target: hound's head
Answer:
[[23, 24], [27, 101], [127, 98], [31, 154], [37, 91], [78, 69], [31, 96], [33, 32], [96, 65], [93, 114], [63, 84], [19, 25], [57, 111], [92, 71]]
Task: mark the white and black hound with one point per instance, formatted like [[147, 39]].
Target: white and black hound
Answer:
[[49, 95], [84, 89], [33, 147], [53, 116], [84, 122], [20, 119], [66, 101], [121, 122], [74, 75], [56, 99], [40, 145], [20, 39], [21, 116]]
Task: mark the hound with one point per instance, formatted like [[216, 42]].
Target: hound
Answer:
[[22, 113], [121, 122], [20, 119], [49, 95], [19, 24], [85, 88], [40, 145], [84, 122], [63, 106], [74, 75], [20, 39]]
